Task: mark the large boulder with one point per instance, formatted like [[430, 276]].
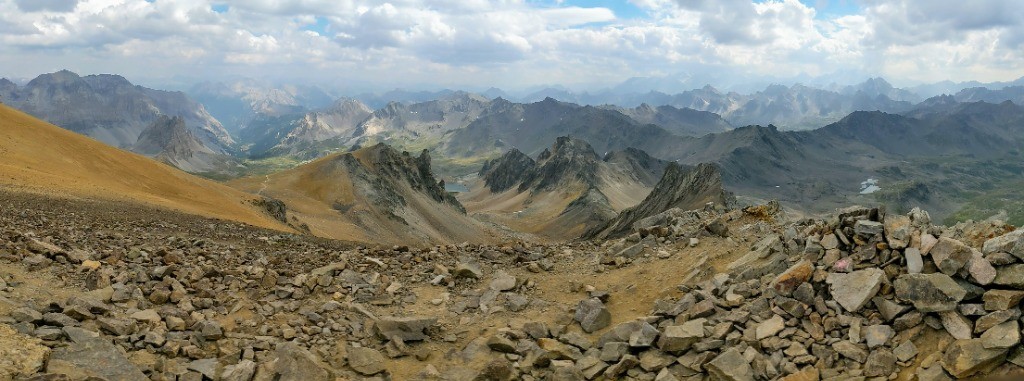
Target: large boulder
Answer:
[[897, 230], [950, 255], [291, 362], [965, 358], [854, 290], [1011, 243], [730, 366], [1010, 276], [679, 338], [95, 357], [592, 315], [20, 355], [929, 292], [366, 361]]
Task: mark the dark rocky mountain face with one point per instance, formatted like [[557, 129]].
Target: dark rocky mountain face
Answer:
[[168, 140], [111, 109], [503, 173], [679, 188], [413, 171], [567, 161]]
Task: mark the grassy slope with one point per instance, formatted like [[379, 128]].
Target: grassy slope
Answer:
[[40, 157]]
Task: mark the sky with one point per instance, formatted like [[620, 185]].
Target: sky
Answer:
[[513, 44]]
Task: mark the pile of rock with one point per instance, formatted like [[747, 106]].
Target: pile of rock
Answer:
[[866, 295]]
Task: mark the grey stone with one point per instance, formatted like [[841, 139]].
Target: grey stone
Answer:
[[502, 344], [117, 327], [889, 309], [26, 315], [1002, 336], [933, 373], [965, 358], [643, 337], [915, 263], [468, 268], [1012, 243], [290, 362], [76, 334], [929, 292], [905, 351], [412, 328], [366, 361], [503, 281], [957, 325], [592, 315], [208, 329], [950, 255], [1010, 276], [851, 351], [679, 338], [868, 229], [878, 335], [243, 371], [897, 230], [1001, 299], [146, 316], [854, 290], [59, 320], [210, 368], [93, 358], [990, 320], [770, 327], [980, 269], [730, 366], [880, 363], [613, 351], [618, 369]]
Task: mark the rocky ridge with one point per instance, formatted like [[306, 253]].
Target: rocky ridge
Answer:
[[679, 188]]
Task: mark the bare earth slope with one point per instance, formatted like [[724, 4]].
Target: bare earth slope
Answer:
[[375, 195], [39, 157]]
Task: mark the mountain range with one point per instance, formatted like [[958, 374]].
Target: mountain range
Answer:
[[949, 153], [110, 109]]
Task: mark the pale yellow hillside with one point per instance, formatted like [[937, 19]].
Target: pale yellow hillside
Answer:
[[36, 156]]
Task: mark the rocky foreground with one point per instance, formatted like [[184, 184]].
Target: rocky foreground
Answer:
[[92, 290]]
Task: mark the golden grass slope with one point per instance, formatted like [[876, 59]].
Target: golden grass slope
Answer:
[[36, 156]]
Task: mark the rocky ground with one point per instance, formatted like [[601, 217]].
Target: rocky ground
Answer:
[[106, 291]]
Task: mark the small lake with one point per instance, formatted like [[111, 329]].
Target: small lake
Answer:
[[455, 188]]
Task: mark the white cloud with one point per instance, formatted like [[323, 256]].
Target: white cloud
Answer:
[[509, 42]]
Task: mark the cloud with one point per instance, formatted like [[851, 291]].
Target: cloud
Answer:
[[46, 5], [512, 42]]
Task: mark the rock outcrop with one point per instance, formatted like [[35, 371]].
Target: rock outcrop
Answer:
[[679, 188]]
